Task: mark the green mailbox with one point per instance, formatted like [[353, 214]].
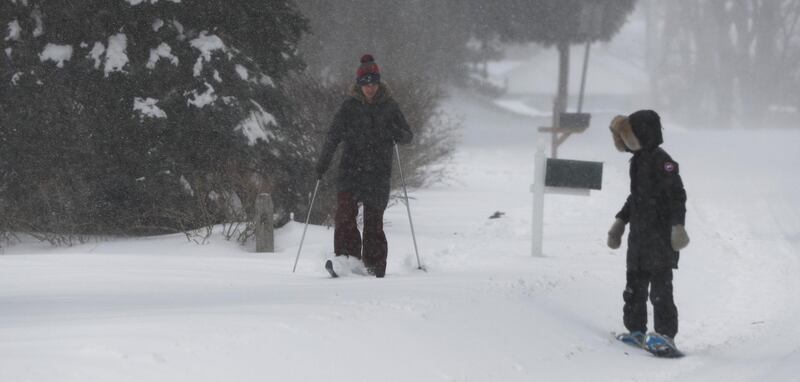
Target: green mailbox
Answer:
[[576, 121], [573, 174]]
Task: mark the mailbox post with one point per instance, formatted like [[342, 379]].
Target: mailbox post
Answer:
[[564, 123], [537, 188], [558, 176]]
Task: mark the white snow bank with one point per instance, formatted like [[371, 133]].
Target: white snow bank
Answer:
[[206, 44], [116, 58], [256, 125], [15, 78], [97, 53], [242, 72], [519, 107], [163, 51], [157, 25], [206, 98], [148, 107], [37, 16], [186, 186], [56, 53], [14, 31], [266, 80]]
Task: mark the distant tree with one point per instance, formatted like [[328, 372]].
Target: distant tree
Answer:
[[137, 116], [717, 62], [413, 40], [431, 39], [550, 21]]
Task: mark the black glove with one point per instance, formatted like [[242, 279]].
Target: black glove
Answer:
[[402, 136], [615, 234], [320, 169], [678, 237]]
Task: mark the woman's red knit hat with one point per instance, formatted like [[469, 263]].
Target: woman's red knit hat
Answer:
[[368, 72]]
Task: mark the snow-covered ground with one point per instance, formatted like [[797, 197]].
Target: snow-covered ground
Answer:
[[164, 309]]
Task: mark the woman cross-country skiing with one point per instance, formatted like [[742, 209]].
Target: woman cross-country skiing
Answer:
[[367, 125]]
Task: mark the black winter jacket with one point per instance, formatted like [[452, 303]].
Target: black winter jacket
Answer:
[[657, 201], [367, 132]]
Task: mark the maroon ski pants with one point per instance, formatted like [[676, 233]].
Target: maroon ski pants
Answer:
[[348, 241]]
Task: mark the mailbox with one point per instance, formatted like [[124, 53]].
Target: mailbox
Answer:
[[577, 121], [573, 174]]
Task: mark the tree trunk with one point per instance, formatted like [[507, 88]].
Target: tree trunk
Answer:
[[563, 76]]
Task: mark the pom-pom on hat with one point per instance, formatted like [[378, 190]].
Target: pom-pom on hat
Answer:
[[368, 72]]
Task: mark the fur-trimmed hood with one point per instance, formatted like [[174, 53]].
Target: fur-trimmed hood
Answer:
[[622, 132], [646, 126], [384, 93], [640, 130]]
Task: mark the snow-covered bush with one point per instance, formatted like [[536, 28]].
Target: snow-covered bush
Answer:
[[135, 117]]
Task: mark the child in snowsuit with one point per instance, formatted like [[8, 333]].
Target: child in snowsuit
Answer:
[[656, 211]]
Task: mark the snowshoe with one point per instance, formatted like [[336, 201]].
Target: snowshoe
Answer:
[[635, 339], [662, 346]]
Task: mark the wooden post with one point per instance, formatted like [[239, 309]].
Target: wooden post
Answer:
[[537, 188], [562, 98], [583, 75], [265, 241], [556, 127], [563, 75]]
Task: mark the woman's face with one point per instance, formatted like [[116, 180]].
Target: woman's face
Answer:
[[369, 90]]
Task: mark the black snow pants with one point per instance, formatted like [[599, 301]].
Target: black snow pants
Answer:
[[665, 314]]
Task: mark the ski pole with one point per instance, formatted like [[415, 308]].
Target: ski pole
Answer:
[[308, 217], [408, 206]]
